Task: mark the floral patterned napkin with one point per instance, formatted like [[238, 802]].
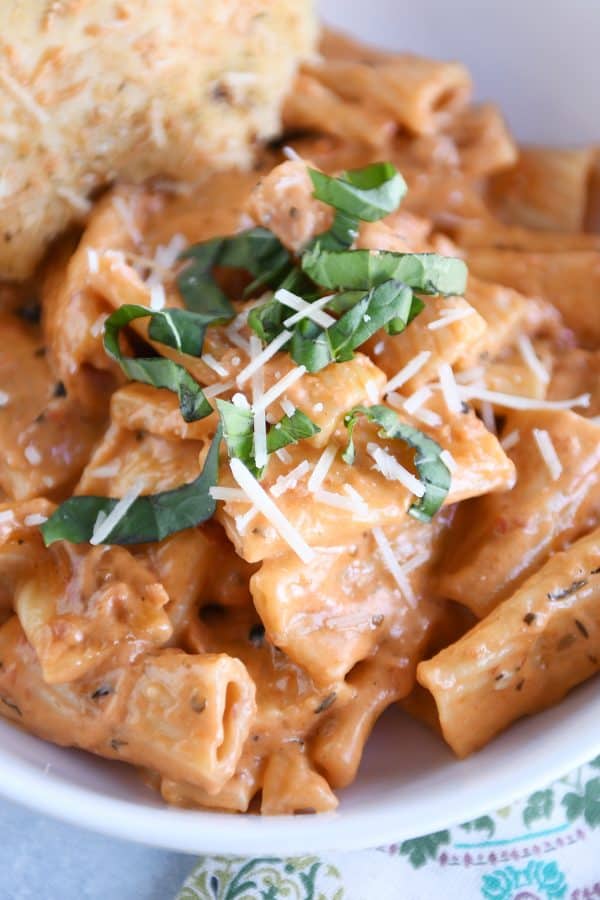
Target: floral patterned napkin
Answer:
[[542, 848]]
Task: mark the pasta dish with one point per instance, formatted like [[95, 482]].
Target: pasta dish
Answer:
[[285, 445]]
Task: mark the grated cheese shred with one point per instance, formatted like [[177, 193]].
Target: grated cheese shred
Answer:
[[407, 372], [416, 400], [516, 401], [449, 388], [548, 452], [105, 524], [263, 357], [214, 364], [449, 318], [322, 467], [531, 359], [304, 310], [392, 565], [290, 480], [511, 440], [259, 418], [259, 498], [279, 388], [391, 469]]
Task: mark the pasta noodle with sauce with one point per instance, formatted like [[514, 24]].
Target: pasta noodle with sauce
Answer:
[[271, 462]]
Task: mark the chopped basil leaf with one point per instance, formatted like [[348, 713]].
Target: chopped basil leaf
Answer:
[[369, 193], [257, 251], [238, 431], [176, 328], [309, 346], [427, 273], [290, 430], [267, 319], [432, 471], [360, 194], [341, 235], [388, 304], [150, 517]]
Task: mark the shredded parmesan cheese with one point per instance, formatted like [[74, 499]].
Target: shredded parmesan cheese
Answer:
[[279, 388], [337, 501], [428, 417], [514, 401], [305, 310], [416, 400], [242, 522], [158, 297], [32, 455], [105, 524], [417, 560], [107, 471], [4, 399], [92, 260], [288, 407], [407, 372], [322, 467], [215, 390], [531, 359], [391, 563], [548, 452], [290, 153], [378, 348], [284, 455], [391, 469], [270, 511], [259, 419], [448, 318], [240, 400], [290, 480], [228, 494], [34, 519], [448, 460], [488, 417], [467, 376], [7, 515], [165, 257], [511, 440], [235, 338], [360, 502], [214, 364], [268, 353], [449, 388]]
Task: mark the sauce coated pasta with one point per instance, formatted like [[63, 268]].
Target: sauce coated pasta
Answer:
[[288, 446]]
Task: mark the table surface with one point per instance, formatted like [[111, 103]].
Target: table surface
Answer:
[[43, 858]]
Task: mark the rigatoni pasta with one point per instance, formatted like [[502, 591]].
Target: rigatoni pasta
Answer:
[[292, 445]]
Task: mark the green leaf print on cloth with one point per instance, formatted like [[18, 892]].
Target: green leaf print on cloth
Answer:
[[543, 847], [586, 803], [539, 806], [265, 878], [420, 850]]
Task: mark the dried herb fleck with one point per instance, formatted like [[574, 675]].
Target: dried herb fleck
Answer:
[[328, 701], [561, 593]]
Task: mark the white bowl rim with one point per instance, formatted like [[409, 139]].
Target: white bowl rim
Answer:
[[539, 750]]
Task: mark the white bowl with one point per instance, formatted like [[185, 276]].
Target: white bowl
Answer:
[[409, 783]]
